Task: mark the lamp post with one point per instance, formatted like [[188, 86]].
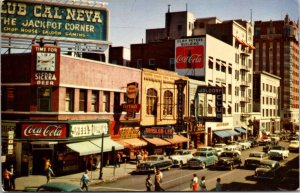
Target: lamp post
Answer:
[[101, 166]]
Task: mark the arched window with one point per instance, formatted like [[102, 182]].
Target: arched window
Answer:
[[168, 103], [151, 101]]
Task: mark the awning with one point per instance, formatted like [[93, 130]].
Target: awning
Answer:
[[157, 141], [84, 148], [240, 129], [43, 142], [232, 133], [222, 134], [126, 145], [135, 142], [177, 139], [108, 143]]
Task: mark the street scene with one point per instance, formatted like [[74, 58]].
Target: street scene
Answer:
[[109, 96]]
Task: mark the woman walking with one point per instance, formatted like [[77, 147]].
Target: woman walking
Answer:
[[195, 183]]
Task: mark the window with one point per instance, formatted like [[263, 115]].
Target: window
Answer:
[[229, 89], [210, 63], [223, 68], [218, 65], [209, 109], [117, 104], [151, 101], [263, 100], [229, 70], [44, 99], [151, 62], [168, 103], [8, 99], [263, 85], [105, 101], [94, 101], [82, 100], [69, 101], [229, 110], [237, 91], [237, 74]]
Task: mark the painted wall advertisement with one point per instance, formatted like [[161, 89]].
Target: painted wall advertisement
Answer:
[[27, 19], [189, 55]]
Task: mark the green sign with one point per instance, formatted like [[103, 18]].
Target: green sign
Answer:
[[54, 21]]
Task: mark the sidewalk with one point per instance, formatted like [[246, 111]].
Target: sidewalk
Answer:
[[109, 174]]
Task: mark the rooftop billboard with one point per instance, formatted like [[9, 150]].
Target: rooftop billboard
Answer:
[[54, 21]]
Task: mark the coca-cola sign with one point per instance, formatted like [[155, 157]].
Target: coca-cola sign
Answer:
[[44, 130], [189, 57]]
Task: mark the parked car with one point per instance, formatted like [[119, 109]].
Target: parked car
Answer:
[[267, 148], [278, 152], [154, 162], [245, 144], [274, 138], [202, 159], [267, 169], [219, 148], [233, 148], [294, 146], [290, 181], [234, 144], [206, 148], [180, 157], [254, 159], [254, 142], [54, 187], [229, 160]]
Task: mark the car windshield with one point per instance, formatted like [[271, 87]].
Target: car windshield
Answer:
[[178, 153], [152, 158], [203, 148], [226, 154], [219, 145], [265, 166], [255, 155], [200, 154]]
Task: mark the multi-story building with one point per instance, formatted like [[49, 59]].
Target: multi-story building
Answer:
[[266, 95], [277, 52], [119, 55]]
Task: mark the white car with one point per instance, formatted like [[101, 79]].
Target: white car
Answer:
[[294, 146], [245, 144], [234, 144], [233, 148], [278, 152], [219, 148], [181, 157]]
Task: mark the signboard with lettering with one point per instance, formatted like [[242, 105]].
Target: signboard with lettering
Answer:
[[180, 104], [6, 127], [43, 131], [189, 55], [89, 129], [129, 132], [55, 21], [160, 132], [45, 65], [218, 92], [132, 106]]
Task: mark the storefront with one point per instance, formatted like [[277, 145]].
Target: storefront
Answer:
[[70, 146]]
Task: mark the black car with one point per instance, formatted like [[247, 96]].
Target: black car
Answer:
[[229, 160], [254, 142], [267, 148], [154, 162]]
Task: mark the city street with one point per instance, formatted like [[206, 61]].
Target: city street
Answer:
[[177, 179]]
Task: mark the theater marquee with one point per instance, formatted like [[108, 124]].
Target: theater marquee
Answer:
[[28, 19]]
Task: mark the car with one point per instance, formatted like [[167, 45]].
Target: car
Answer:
[[294, 146], [54, 187], [181, 157], [274, 138], [207, 148], [290, 181], [229, 160], [232, 148], [202, 159], [219, 148], [254, 142], [267, 148], [254, 159], [278, 152], [267, 169], [233, 144], [153, 163], [245, 144]]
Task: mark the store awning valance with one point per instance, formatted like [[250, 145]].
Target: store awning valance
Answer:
[[177, 139], [126, 145], [108, 143], [134, 142], [157, 141], [84, 148], [232, 133], [240, 129], [222, 134]]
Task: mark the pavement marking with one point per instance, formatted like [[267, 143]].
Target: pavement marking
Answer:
[[123, 189]]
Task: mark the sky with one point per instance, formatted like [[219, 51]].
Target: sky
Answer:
[[129, 19]]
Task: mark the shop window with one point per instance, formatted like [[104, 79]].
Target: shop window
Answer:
[[44, 99], [8, 99], [117, 100], [69, 101], [105, 101], [82, 100], [151, 101], [95, 101], [168, 103]]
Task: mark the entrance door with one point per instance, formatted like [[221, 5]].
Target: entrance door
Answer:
[[39, 158]]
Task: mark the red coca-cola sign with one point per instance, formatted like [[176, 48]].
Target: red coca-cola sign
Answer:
[[44, 130], [189, 57]]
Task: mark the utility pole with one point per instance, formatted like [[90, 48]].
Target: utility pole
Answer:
[[101, 166]]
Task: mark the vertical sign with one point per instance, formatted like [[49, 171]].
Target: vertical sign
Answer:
[[132, 98], [180, 103], [10, 145]]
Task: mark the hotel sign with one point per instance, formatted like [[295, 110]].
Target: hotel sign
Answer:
[[55, 21]]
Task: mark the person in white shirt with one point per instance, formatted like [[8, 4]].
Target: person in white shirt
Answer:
[[195, 183]]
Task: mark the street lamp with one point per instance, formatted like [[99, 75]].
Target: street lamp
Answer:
[[101, 166]]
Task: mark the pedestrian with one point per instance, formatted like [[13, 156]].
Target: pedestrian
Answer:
[[160, 174], [50, 173], [157, 182], [149, 183], [84, 181], [6, 179], [203, 188], [218, 185], [118, 159], [13, 177], [195, 183], [202, 182]]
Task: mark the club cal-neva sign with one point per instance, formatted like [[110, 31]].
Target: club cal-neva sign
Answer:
[[27, 18]]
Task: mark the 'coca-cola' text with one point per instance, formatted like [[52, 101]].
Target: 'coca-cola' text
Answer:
[[44, 130]]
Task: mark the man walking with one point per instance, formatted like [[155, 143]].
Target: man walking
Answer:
[[12, 178], [50, 173], [149, 183], [85, 180], [157, 182]]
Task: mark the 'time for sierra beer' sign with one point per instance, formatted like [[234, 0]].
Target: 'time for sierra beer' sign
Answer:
[[44, 130], [190, 56]]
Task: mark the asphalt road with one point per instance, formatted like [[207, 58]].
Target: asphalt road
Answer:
[[177, 179]]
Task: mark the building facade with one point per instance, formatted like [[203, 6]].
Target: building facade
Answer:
[[277, 52]]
